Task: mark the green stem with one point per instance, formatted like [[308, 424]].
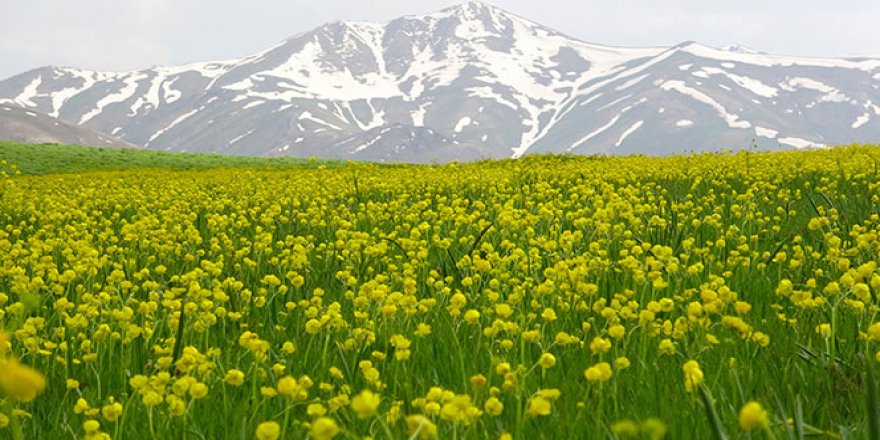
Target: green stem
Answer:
[[13, 421], [873, 404], [178, 344], [714, 421]]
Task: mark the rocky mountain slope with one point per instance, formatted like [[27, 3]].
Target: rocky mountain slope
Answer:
[[468, 82], [23, 125]]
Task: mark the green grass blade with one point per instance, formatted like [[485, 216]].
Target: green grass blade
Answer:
[[714, 421], [873, 404]]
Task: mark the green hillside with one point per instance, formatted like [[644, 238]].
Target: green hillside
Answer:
[[52, 159]]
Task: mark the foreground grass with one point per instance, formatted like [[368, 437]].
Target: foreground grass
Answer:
[[51, 159], [549, 297]]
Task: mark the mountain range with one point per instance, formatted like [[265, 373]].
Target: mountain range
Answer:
[[22, 125], [468, 82]]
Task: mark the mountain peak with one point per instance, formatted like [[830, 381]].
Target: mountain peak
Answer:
[[739, 48], [472, 7], [480, 79], [474, 10]]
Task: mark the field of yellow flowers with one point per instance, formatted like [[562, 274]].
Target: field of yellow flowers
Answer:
[[694, 297]]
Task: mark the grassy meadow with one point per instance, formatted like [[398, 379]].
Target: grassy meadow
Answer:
[[53, 158], [715, 296]]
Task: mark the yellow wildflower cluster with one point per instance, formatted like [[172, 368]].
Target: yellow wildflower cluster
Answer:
[[552, 297]]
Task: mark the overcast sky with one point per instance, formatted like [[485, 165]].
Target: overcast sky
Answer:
[[130, 34]]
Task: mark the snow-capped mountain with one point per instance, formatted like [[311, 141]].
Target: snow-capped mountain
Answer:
[[22, 125], [468, 82]]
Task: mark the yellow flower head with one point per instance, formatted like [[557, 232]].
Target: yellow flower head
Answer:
[[693, 375], [112, 411], [459, 409], [4, 342], [234, 377], [421, 426], [539, 406], [493, 406], [198, 390], [268, 431], [874, 332], [287, 386], [365, 404], [19, 381], [316, 410], [625, 428], [654, 429], [599, 345], [753, 416], [600, 372], [324, 428], [91, 426], [547, 360]]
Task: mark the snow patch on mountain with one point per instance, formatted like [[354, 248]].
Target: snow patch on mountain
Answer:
[[799, 143], [766, 132], [130, 86], [628, 132], [861, 120], [731, 119], [173, 124]]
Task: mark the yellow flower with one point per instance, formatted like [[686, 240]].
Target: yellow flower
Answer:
[[539, 406], [421, 426], [625, 428], [313, 326], [287, 386], [599, 345], [667, 346], [316, 410], [82, 405], [693, 375], [288, 347], [753, 416], [824, 330], [19, 381], [654, 429], [4, 342], [152, 398], [477, 380], [547, 360], [493, 406], [459, 409], [365, 404], [234, 377], [112, 411], [874, 332], [268, 431], [91, 426], [324, 428], [600, 372], [198, 390], [4, 420], [268, 392], [176, 405]]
